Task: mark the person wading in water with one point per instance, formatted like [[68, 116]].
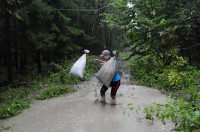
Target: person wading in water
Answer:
[[115, 81]]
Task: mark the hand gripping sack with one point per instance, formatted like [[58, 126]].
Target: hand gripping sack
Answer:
[[78, 67], [107, 72]]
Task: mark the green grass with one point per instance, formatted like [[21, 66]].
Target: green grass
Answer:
[[17, 93], [55, 92], [62, 71], [2, 127], [13, 108], [13, 100]]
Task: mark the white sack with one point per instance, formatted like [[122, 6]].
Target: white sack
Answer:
[[78, 67], [86, 51], [107, 72]]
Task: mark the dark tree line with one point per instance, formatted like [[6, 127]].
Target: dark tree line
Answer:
[[37, 32]]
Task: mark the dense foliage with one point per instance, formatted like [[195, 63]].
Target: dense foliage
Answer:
[[35, 33], [164, 40]]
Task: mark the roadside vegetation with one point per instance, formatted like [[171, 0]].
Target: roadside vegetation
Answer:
[[17, 97], [164, 40], [180, 81]]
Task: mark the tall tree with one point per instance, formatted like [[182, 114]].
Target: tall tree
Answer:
[[163, 29]]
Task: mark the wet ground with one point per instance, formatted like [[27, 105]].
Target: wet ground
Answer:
[[84, 112]]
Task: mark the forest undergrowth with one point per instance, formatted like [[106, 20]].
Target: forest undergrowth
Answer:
[[16, 97], [180, 81]]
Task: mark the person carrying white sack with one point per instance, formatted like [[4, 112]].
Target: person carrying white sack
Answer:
[[115, 83]]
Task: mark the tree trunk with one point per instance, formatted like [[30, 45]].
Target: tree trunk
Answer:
[[8, 48], [100, 6], [4, 58], [39, 61], [110, 40], [105, 37], [16, 60], [23, 61]]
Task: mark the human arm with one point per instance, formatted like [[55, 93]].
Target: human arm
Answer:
[[100, 61]]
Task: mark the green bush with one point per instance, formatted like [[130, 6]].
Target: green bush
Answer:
[[20, 92], [13, 100], [55, 92], [144, 69], [185, 115], [61, 74], [13, 108], [177, 77]]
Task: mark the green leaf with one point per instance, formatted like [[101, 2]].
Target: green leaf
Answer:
[[158, 106], [167, 116], [130, 104], [197, 113], [157, 115], [166, 106]]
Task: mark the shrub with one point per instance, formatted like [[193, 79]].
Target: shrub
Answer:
[[144, 69], [182, 108], [13, 108], [61, 75], [55, 92]]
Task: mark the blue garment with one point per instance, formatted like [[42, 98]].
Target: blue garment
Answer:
[[116, 77]]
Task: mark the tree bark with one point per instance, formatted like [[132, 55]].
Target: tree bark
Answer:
[[8, 48], [110, 40], [23, 61], [39, 62], [16, 56], [105, 37], [16, 60]]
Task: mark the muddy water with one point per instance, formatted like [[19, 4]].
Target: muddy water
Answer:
[[84, 112]]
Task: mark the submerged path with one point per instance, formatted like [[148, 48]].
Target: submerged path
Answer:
[[82, 112]]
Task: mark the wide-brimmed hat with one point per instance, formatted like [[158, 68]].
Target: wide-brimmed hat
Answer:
[[105, 52]]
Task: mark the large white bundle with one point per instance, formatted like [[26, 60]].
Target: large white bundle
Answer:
[[78, 67], [107, 72]]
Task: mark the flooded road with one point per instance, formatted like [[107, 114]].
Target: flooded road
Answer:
[[83, 112]]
